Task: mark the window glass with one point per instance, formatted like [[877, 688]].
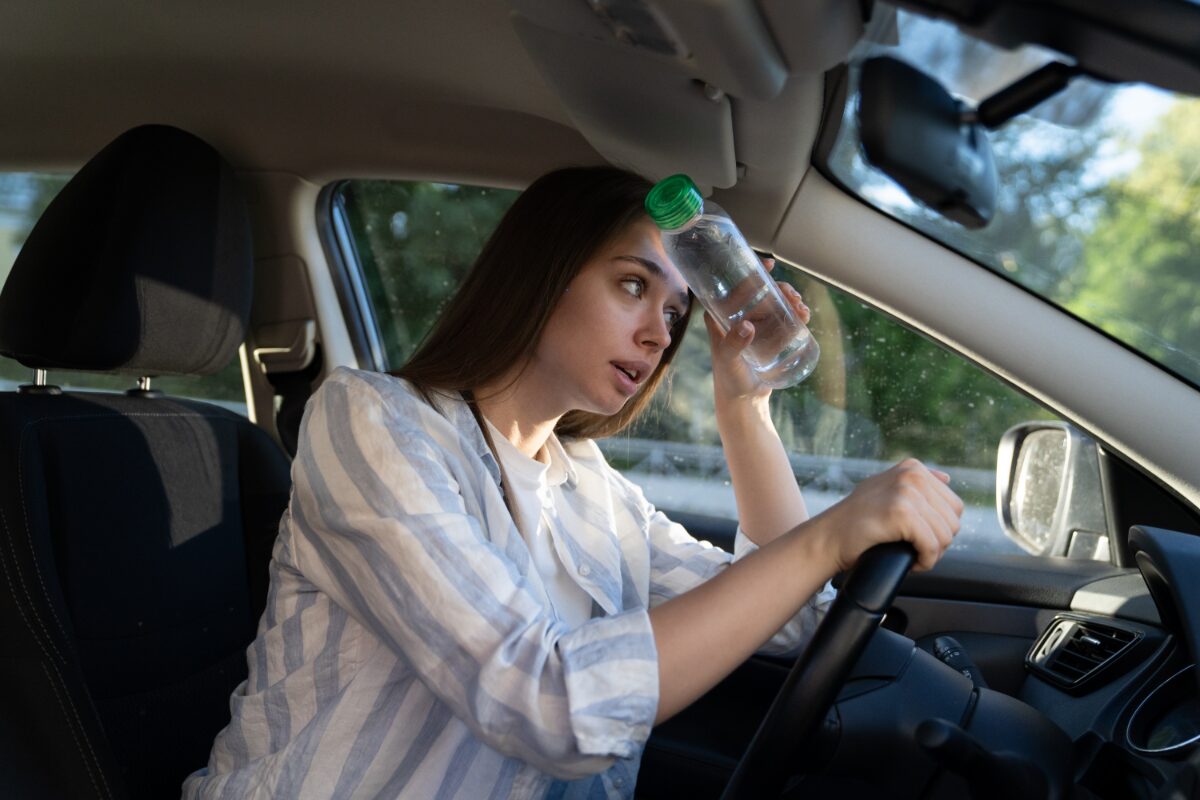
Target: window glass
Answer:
[[879, 394], [23, 197], [415, 242], [1099, 191]]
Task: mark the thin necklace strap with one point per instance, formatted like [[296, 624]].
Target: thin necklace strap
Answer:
[[469, 397]]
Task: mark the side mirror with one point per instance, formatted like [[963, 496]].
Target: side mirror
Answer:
[[927, 141], [1049, 493]]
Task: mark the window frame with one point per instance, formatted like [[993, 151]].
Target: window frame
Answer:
[[349, 282]]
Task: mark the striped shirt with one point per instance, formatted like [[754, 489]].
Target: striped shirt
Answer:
[[407, 649]]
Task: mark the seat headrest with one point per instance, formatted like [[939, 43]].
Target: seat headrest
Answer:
[[141, 265]]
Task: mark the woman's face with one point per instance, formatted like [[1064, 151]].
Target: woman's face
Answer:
[[608, 332]]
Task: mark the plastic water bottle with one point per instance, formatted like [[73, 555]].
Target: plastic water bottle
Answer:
[[730, 281]]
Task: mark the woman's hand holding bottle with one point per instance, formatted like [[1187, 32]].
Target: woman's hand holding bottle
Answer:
[[733, 379]]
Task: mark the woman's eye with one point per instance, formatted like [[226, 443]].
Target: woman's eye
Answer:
[[635, 286], [672, 316]]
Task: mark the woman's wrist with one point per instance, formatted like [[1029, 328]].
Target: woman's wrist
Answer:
[[740, 414], [813, 548]]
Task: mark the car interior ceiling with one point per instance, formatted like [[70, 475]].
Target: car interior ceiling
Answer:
[[189, 458]]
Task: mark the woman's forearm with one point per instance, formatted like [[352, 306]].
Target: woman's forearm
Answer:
[[705, 634], [768, 498]]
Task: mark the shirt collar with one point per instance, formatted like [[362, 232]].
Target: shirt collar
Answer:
[[562, 467], [455, 409]]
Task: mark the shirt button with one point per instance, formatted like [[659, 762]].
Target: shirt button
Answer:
[[618, 782], [585, 570]]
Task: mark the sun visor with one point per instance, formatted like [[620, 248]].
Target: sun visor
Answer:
[[640, 109], [649, 83], [815, 35], [728, 42]]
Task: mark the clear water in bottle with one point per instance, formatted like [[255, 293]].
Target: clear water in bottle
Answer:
[[728, 278]]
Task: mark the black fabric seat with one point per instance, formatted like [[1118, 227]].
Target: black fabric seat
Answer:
[[135, 529]]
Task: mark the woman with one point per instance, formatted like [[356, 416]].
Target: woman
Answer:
[[466, 600]]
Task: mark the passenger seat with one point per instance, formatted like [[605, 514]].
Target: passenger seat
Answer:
[[135, 528]]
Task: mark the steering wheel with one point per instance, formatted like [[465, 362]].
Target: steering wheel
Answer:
[[811, 687]]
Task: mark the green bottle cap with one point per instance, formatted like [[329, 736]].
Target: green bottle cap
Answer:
[[673, 201]]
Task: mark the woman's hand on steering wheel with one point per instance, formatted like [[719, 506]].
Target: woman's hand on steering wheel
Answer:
[[908, 502]]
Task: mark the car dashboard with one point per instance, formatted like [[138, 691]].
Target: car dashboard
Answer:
[[1124, 685], [1107, 705], [1090, 683]]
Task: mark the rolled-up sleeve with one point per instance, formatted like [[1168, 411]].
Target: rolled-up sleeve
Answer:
[[799, 630], [680, 562], [383, 527]]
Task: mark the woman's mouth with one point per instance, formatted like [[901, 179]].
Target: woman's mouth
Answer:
[[630, 375]]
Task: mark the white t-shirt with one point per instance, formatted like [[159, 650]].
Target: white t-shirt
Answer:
[[529, 483]]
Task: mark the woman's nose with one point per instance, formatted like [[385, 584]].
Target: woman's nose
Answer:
[[656, 333]]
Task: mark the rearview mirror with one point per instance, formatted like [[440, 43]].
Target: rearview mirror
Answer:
[[918, 134], [1049, 492]]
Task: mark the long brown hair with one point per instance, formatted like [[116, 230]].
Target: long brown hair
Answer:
[[494, 320]]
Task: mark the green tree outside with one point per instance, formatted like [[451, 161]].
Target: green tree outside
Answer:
[[1141, 283], [416, 242]]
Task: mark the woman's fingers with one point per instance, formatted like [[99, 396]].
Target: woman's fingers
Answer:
[[943, 490], [732, 376], [790, 294], [733, 342], [929, 550], [943, 500], [916, 523], [936, 511], [942, 487], [929, 536], [727, 347], [943, 520], [793, 298], [908, 503]]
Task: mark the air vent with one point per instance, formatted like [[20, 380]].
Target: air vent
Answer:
[[1074, 653]]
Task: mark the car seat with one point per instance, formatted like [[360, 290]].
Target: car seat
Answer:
[[135, 528]]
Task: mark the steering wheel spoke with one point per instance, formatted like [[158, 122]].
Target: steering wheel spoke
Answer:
[[794, 718]]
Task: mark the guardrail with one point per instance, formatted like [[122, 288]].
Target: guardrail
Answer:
[[832, 473], [694, 478]]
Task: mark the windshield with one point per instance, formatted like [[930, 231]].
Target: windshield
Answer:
[[1099, 205]]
